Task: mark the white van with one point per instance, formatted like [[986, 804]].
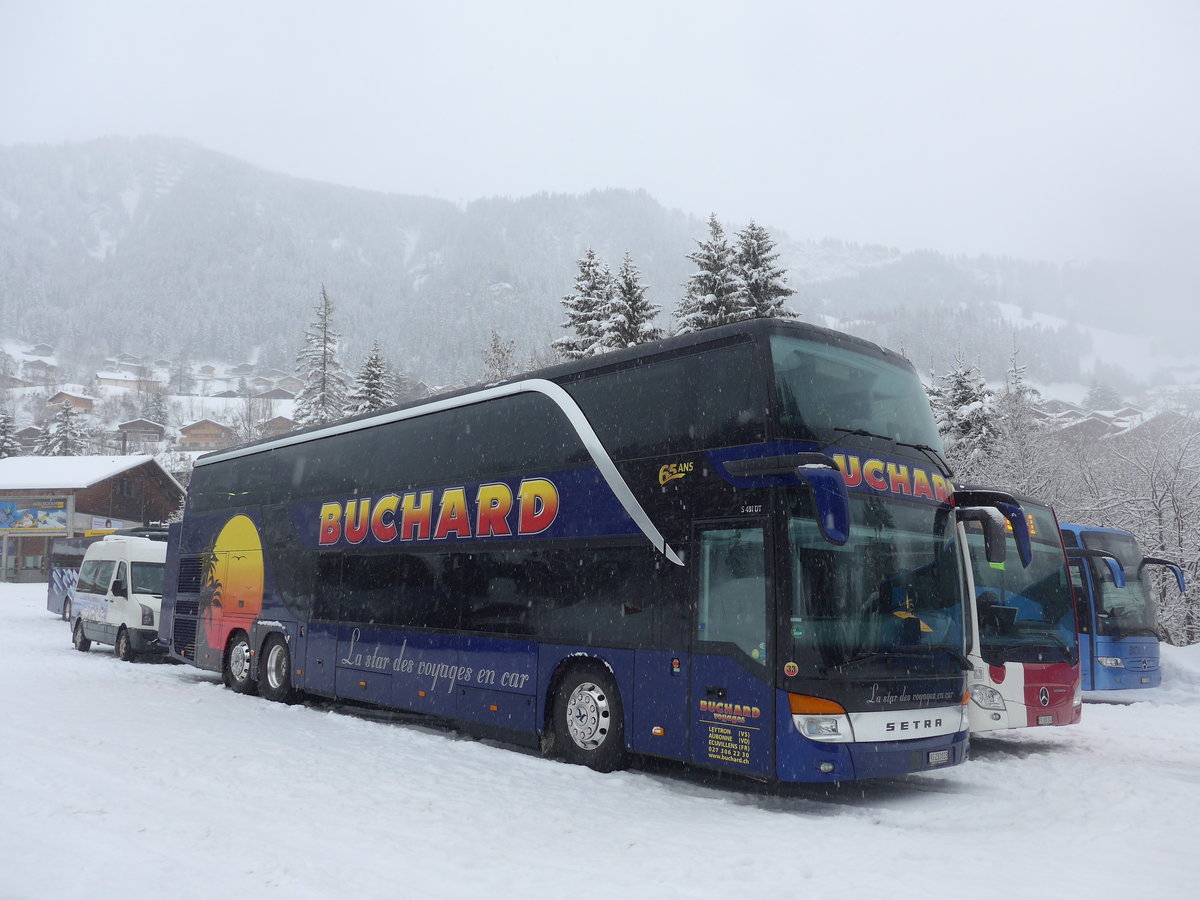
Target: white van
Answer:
[[118, 595]]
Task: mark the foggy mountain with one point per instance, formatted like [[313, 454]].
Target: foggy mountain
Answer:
[[157, 246]]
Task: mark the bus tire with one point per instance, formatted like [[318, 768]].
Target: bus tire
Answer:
[[587, 721], [124, 646], [236, 669], [81, 641], [275, 670]]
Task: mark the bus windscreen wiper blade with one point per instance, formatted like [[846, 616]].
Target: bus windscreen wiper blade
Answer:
[[862, 432], [932, 453]]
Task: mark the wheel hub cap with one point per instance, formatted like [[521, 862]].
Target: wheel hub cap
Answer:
[[588, 715], [239, 660]]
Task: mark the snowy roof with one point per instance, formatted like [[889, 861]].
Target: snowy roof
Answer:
[[36, 473]]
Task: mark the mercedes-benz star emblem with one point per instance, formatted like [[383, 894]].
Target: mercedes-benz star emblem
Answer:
[[1044, 697]]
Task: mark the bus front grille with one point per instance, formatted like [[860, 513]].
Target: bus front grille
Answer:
[[183, 638]]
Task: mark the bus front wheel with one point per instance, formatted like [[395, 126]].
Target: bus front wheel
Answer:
[[81, 641], [236, 669], [588, 722], [275, 681]]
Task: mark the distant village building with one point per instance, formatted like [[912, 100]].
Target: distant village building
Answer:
[[40, 350], [80, 402], [136, 380], [276, 394], [290, 383], [277, 426], [37, 372], [138, 434], [27, 437], [205, 434], [44, 497]]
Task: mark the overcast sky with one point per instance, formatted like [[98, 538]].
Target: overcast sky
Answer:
[[1046, 129]]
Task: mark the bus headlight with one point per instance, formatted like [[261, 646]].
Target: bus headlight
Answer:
[[987, 697], [147, 614], [819, 719], [1111, 662]]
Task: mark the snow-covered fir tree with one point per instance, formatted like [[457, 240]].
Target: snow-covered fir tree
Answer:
[[8, 440], [62, 437], [763, 283], [1101, 396], [323, 396], [587, 309], [713, 293], [374, 385], [630, 315], [499, 358], [963, 408]]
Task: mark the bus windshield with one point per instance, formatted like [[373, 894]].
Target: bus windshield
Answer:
[[1127, 611], [896, 587], [822, 389], [1025, 614]]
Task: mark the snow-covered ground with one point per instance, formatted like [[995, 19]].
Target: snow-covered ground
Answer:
[[151, 780]]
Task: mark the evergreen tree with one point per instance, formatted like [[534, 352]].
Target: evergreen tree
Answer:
[[764, 284], [1101, 396], [62, 437], [8, 440], [587, 309], [630, 314], [374, 386], [963, 409], [499, 358], [323, 397], [713, 294]]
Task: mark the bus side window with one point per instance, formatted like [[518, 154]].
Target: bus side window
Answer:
[[733, 590], [1079, 586]]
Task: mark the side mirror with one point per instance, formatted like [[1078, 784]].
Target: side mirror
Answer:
[[1175, 570], [118, 589], [1114, 565], [995, 537], [1009, 508]]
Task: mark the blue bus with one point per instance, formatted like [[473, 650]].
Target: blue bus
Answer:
[[1118, 613], [738, 548]]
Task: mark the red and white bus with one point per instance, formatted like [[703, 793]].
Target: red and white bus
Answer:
[[1022, 637]]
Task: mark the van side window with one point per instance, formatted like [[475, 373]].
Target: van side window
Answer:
[[95, 576]]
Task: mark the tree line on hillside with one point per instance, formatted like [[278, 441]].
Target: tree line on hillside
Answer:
[[1144, 479]]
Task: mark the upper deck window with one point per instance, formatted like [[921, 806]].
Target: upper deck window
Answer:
[[821, 388]]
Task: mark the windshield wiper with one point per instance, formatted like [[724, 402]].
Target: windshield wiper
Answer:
[[914, 653], [933, 454]]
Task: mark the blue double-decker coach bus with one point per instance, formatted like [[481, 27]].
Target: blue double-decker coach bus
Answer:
[[1118, 613], [737, 548]]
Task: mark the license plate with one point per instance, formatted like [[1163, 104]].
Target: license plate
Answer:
[[1145, 681], [1045, 720], [939, 757]]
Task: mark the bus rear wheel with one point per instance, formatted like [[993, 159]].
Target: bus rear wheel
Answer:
[[588, 720], [82, 643], [275, 682], [235, 671]]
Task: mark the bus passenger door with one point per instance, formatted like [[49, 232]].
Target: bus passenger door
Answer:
[[732, 700], [1086, 622]]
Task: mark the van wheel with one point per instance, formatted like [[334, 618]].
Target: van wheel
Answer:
[[275, 681], [236, 669], [588, 719], [66, 610], [82, 643], [124, 645]]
